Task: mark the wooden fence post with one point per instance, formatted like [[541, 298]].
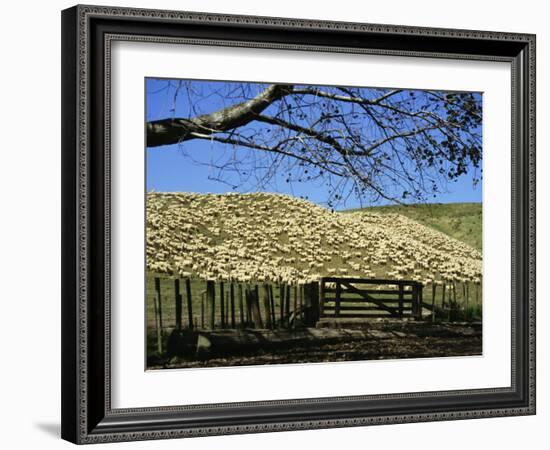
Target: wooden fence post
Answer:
[[454, 294], [419, 299], [455, 303], [248, 304], [203, 300], [158, 314], [287, 302], [400, 300], [295, 300], [306, 314], [434, 287], [189, 303], [281, 303], [227, 310], [255, 308], [267, 307], [449, 302], [222, 305], [322, 298], [272, 304], [311, 300], [241, 306], [414, 294], [256, 298], [337, 299], [467, 303], [211, 301], [301, 288], [232, 298], [178, 303]]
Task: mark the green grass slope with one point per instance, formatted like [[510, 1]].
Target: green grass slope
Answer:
[[462, 221]]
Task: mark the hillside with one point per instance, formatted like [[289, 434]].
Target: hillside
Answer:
[[278, 238], [462, 221]]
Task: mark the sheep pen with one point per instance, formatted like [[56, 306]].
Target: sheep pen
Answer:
[[240, 261]]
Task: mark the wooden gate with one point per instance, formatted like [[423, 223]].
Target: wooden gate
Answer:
[[369, 298]]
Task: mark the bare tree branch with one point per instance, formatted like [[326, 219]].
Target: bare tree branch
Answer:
[[172, 131], [394, 144]]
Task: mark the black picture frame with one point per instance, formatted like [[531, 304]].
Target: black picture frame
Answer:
[[87, 416]]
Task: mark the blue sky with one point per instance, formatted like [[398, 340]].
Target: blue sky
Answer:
[[187, 167]]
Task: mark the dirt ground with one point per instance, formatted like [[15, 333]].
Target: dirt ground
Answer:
[[407, 340]]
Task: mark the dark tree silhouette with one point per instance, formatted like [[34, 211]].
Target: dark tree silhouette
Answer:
[[393, 144]]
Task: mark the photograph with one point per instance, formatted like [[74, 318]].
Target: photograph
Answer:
[[295, 223]]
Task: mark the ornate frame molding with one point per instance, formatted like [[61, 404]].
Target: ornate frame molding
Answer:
[[86, 206]]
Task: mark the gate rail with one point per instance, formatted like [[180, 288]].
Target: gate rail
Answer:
[[350, 298]]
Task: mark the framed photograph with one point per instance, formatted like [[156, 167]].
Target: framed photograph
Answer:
[[282, 224]]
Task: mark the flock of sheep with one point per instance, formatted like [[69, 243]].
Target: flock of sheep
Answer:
[[264, 237]]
